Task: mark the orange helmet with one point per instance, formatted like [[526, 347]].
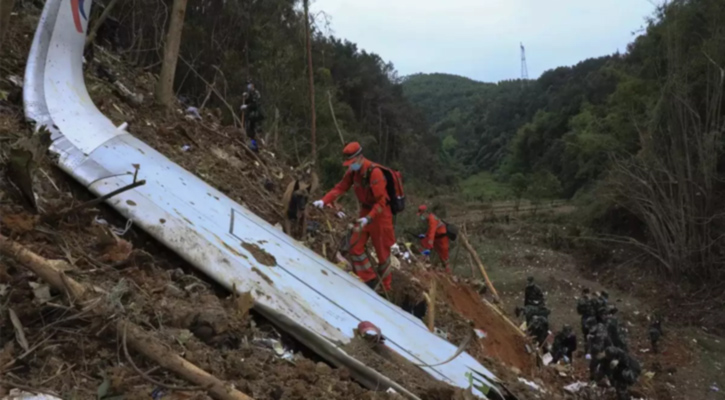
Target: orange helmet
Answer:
[[422, 208], [351, 152]]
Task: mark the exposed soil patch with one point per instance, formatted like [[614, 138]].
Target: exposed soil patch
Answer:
[[260, 254]]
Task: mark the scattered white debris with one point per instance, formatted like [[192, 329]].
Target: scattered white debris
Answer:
[[547, 359], [16, 80], [41, 292], [17, 394], [714, 387], [644, 350], [391, 391], [531, 385], [441, 333], [185, 147], [193, 113], [481, 333], [576, 387]]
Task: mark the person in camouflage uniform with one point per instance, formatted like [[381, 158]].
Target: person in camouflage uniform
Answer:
[[655, 333], [539, 329], [597, 342], [621, 369], [600, 305], [585, 308], [253, 115], [564, 344], [616, 333], [533, 295], [530, 312]]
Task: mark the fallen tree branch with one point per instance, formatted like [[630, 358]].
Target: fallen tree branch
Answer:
[[475, 256], [145, 376], [94, 202], [138, 339], [97, 23]]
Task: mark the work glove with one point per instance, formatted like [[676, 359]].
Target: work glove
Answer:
[[363, 221], [426, 253], [319, 204], [421, 236]]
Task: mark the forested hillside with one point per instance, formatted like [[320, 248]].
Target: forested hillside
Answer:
[[227, 43], [639, 134]]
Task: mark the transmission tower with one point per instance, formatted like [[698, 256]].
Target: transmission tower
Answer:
[[524, 68]]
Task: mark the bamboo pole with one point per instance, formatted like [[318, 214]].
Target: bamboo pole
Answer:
[[475, 256]]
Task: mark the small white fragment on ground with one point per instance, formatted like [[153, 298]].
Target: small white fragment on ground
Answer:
[[391, 391], [481, 333], [649, 374], [41, 292], [644, 350], [714, 388], [547, 359], [576, 387], [185, 147], [3, 290], [531, 385], [17, 394], [16, 80]]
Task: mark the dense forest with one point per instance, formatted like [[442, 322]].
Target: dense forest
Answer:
[[637, 137], [634, 136], [225, 44]]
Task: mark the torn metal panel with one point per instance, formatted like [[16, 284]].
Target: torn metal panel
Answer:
[[209, 230]]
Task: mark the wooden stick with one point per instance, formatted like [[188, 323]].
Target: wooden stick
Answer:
[[96, 201], [334, 119], [504, 317], [475, 256], [137, 338], [430, 298]]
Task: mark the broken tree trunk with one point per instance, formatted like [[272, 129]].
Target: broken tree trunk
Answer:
[[475, 256], [98, 22], [165, 87], [6, 9], [137, 338]]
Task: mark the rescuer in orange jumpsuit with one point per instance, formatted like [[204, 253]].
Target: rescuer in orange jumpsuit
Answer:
[[436, 236], [375, 219]]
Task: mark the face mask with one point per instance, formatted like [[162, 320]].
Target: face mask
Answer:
[[356, 167], [422, 217]]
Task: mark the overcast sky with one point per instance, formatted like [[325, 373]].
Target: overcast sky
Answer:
[[480, 38]]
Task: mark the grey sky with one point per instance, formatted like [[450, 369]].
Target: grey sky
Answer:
[[480, 38]]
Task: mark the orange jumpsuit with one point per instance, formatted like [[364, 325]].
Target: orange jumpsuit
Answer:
[[369, 185], [436, 238]]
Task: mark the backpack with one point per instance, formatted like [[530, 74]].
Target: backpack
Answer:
[[451, 231], [394, 187]]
